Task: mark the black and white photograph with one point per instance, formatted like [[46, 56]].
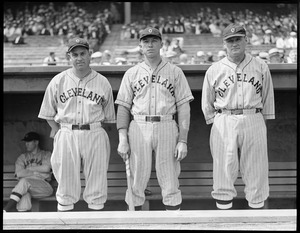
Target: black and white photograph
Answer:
[[150, 115]]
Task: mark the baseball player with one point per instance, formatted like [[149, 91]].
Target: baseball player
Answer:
[[153, 91], [238, 98], [76, 103], [33, 171]]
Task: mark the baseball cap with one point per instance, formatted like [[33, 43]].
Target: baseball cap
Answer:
[[273, 51], [200, 53], [150, 32], [96, 54], [233, 30], [75, 42], [31, 136], [263, 55]]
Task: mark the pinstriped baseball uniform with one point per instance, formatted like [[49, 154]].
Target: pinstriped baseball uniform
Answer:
[[239, 141], [69, 100], [159, 92]]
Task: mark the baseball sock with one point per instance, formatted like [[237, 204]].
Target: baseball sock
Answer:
[[10, 205], [169, 207]]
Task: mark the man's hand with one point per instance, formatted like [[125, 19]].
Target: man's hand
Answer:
[[180, 151], [124, 150]]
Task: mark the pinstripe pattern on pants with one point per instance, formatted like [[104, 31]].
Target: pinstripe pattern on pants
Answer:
[[160, 138], [239, 142], [72, 148]]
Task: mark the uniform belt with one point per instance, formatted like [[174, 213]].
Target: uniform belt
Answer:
[[82, 127], [239, 111], [153, 118]]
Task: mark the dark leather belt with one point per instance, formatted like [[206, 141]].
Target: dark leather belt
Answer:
[[81, 127], [237, 111], [155, 118]]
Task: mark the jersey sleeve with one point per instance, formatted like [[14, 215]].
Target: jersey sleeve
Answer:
[[125, 94], [48, 108], [19, 164], [183, 92], [268, 110], [108, 107], [208, 98]]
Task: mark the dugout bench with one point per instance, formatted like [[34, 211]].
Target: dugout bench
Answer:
[[195, 183]]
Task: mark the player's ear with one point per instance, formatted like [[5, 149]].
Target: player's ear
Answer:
[[68, 56], [90, 52], [246, 39]]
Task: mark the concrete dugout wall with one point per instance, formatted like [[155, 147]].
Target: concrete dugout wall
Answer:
[[24, 90]]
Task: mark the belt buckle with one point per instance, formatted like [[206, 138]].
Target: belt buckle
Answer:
[[153, 118], [81, 127]]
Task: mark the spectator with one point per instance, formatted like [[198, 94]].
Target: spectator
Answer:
[[264, 56], [221, 54], [200, 58], [209, 57], [255, 53], [19, 40], [275, 56], [269, 37], [281, 40], [183, 58], [107, 58], [292, 40], [96, 59], [51, 60], [33, 171], [292, 57]]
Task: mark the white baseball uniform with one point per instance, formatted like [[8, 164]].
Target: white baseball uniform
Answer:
[[238, 139], [35, 186], [71, 101], [158, 92]]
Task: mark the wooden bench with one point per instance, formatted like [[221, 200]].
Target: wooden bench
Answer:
[[195, 183]]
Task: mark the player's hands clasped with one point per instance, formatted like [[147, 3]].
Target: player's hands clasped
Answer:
[[124, 150], [180, 151]]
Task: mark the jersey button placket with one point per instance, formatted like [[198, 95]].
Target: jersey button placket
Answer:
[[152, 94], [240, 89], [79, 105]]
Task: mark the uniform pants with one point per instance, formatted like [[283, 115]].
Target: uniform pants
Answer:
[[30, 188], [73, 148], [160, 138], [244, 136]]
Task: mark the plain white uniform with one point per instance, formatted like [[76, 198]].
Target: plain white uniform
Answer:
[[154, 93], [69, 100], [245, 86]]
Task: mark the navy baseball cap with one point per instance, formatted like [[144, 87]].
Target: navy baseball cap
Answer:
[[233, 30], [31, 136], [150, 32], [75, 42]]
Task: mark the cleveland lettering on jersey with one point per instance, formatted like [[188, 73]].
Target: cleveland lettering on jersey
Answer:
[[144, 81], [32, 161], [73, 92], [227, 83]]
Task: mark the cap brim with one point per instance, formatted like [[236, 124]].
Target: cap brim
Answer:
[[235, 35], [150, 35], [78, 45]]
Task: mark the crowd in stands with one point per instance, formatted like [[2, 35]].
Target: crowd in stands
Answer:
[[271, 28], [263, 29], [49, 19]]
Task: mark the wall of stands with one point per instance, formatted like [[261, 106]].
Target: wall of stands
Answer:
[[24, 89]]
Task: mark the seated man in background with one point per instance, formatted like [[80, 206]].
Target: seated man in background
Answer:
[[51, 60], [33, 171]]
